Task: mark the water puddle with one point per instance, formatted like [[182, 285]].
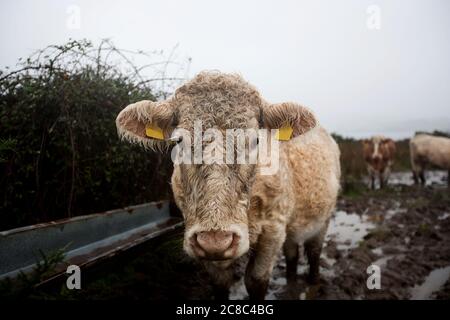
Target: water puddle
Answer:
[[348, 229], [378, 251], [431, 176], [392, 212], [433, 282], [444, 216]]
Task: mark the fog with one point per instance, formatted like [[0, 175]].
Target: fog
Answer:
[[363, 66]]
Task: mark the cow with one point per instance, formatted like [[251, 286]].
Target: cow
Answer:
[[428, 150], [235, 214], [379, 153]]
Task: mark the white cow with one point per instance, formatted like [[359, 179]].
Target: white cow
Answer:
[[429, 150]]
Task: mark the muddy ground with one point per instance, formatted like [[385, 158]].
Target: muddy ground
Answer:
[[403, 229]]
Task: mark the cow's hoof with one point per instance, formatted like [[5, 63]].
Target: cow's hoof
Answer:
[[313, 279], [256, 288]]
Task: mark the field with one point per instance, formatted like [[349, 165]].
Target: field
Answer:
[[403, 229]]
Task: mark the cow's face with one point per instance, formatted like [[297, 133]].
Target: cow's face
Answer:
[[213, 197], [214, 201], [377, 151]]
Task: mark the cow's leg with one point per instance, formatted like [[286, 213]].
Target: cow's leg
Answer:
[[422, 176], [386, 174], [415, 177], [313, 249], [418, 168], [290, 249], [448, 178], [263, 259], [373, 177], [381, 179]]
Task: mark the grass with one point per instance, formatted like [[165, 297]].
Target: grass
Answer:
[[25, 283], [424, 229], [162, 271]]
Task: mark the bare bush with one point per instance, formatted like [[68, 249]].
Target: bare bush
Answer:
[[59, 152]]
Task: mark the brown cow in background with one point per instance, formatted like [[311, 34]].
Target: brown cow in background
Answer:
[[379, 154]]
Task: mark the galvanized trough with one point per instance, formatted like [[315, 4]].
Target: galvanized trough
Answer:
[[85, 239]]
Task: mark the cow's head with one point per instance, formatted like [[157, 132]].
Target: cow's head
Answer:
[[214, 198], [378, 151]]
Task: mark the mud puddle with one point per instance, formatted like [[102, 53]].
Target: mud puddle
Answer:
[[432, 177], [433, 283]]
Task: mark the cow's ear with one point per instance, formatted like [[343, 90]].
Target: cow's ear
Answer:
[[147, 123], [288, 115]]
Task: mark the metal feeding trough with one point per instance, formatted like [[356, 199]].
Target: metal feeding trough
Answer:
[[85, 239]]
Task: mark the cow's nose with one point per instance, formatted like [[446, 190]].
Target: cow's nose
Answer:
[[215, 245], [376, 158]]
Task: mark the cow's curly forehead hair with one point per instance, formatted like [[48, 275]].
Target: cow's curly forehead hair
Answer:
[[219, 100]]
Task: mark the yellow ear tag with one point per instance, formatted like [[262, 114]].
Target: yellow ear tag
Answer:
[[154, 132], [284, 133]]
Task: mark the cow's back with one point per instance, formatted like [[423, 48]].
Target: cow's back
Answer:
[[431, 149]]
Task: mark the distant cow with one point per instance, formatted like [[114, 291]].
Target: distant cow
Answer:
[[429, 150], [379, 154], [231, 210]]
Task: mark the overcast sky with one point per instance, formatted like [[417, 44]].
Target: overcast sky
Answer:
[[362, 66]]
